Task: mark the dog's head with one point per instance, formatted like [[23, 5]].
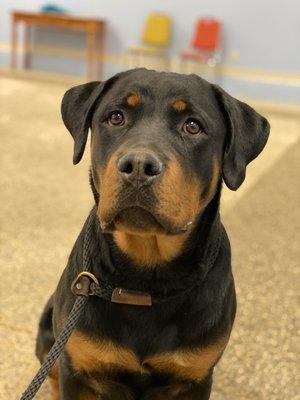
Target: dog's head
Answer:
[[160, 144]]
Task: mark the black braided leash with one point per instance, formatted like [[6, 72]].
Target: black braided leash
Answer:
[[63, 337], [85, 285], [56, 349]]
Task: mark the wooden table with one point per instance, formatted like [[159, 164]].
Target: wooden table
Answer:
[[94, 28]]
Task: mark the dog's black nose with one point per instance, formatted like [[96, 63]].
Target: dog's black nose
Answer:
[[139, 168]]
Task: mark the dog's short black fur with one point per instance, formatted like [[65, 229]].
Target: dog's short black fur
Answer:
[[161, 144]]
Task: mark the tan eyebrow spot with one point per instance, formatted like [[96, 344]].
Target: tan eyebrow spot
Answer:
[[133, 99], [179, 105]]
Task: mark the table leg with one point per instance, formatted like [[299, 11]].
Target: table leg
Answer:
[[100, 53], [91, 39], [26, 46], [14, 44]]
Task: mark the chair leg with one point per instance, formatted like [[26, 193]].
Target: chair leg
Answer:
[[14, 45], [26, 46], [91, 36], [100, 55]]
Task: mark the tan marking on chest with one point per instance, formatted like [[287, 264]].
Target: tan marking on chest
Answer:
[[192, 364], [91, 355], [95, 355], [148, 251]]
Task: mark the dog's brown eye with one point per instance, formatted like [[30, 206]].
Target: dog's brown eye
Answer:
[[116, 118], [192, 127]]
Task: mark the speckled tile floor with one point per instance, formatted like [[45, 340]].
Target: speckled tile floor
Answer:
[[45, 199]]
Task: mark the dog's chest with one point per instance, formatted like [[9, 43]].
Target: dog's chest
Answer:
[[105, 356]]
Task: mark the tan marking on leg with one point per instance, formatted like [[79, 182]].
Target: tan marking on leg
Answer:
[[55, 388], [179, 105], [89, 355], [192, 364], [53, 379], [87, 394]]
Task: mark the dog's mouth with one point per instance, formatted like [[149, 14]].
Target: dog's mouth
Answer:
[[138, 220]]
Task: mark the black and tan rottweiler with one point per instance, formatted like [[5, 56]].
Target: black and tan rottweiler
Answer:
[[161, 145]]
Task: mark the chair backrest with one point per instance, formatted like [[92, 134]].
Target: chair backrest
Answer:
[[157, 31], [207, 34]]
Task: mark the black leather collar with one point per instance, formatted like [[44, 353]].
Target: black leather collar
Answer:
[[87, 284]]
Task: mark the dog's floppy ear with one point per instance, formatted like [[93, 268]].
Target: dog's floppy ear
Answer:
[[247, 134], [77, 110]]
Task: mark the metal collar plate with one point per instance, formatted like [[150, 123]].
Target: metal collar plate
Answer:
[[132, 297]]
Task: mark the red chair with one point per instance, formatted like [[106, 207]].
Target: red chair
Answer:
[[205, 43]]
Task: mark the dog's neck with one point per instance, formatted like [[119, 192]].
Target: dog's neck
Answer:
[[149, 251], [146, 250], [114, 266]]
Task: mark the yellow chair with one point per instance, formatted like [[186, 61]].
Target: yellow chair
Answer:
[[156, 37]]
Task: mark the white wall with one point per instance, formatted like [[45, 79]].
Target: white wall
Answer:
[[265, 34]]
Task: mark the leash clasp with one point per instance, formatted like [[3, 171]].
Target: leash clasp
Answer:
[[82, 283]]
